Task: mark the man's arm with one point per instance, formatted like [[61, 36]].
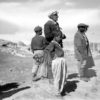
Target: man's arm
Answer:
[[32, 49], [48, 30], [50, 47], [44, 42]]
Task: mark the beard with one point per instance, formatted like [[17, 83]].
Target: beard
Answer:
[[82, 30]]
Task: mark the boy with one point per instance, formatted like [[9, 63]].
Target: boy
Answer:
[[38, 44], [58, 63]]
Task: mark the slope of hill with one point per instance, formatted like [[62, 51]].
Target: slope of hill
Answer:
[[17, 69], [75, 88], [17, 49]]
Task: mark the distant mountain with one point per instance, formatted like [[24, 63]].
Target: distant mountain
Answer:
[[19, 49], [7, 43], [20, 43]]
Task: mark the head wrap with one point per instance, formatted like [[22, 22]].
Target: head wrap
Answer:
[[55, 13]]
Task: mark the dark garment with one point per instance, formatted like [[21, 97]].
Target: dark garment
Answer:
[[51, 29], [38, 43], [62, 36]]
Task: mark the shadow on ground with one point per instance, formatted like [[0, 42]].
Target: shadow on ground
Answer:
[[90, 73], [70, 86], [9, 89], [71, 76]]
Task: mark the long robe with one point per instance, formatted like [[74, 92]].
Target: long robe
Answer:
[[59, 70]]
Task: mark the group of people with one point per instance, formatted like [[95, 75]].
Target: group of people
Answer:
[[48, 53]]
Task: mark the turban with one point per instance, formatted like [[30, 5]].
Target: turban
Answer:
[[55, 13]]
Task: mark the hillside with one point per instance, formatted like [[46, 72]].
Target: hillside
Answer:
[[16, 84], [42, 90], [17, 49]]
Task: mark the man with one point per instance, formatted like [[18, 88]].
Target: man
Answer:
[[51, 28], [82, 50], [38, 45]]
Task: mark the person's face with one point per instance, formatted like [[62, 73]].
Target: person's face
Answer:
[[39, 32], [58, 39], [82, 29], [55, 17]]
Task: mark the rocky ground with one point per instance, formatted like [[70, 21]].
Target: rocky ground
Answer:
[[16, 84]]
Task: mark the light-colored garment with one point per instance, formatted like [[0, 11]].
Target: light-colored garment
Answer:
[[85, 37], [83, 69], [39, 67], [59, 70]]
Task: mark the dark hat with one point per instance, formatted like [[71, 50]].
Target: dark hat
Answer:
[[53, 13], [82, 25], [37, 28]]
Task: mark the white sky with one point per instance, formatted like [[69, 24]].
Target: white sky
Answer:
[[22, 16]]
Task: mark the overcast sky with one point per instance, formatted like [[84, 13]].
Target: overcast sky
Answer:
[[19, 17]]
